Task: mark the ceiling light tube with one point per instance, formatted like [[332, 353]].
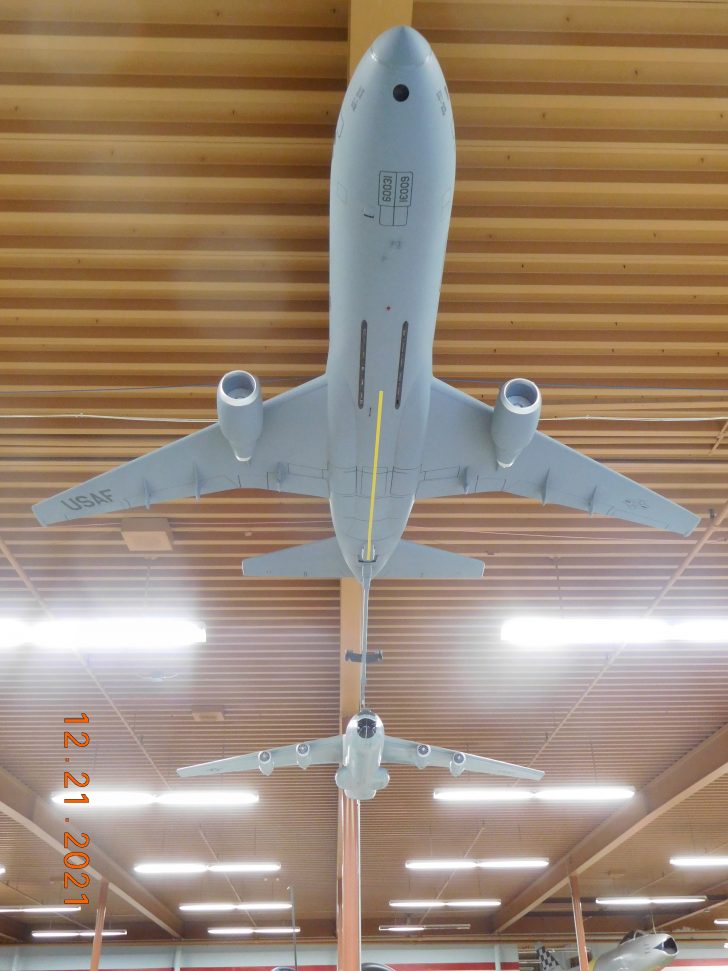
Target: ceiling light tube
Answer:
[[13, 633], [208, 797], [440, 864], [507, 794], [208, 908], [39, 910], [70, 934], [247, 931], [244, 868], [277, 930], [106, 799], [199, 798], [647, 901], [117, 634], [467, 904], [525, 863], [555, 631], [417, 904], [402, 928], [699, 861], [721, 921], [169, 869]]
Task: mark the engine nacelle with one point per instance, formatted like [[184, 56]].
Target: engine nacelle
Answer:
[[422, 756], [240, 412], [265, 762], [303, 754], [457, 764], [515, 419]]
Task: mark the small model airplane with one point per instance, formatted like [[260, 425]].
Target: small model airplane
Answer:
[[377, 430], [361, 753], [637, 951]]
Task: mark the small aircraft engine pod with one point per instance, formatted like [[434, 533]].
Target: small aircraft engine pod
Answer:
[[303, 754], [422, 756], [265, 762], [515, 419], [457, 764], [240, 412]]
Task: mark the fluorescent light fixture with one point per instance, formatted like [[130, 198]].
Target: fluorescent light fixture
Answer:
[[721, 921], [170, 868], [467, 904], [505, 794], [245, 905], [208, 797], [701, 861], [524, 863], [13, 633], [277, 930], [457, 904], [38, 910], [726, 944], [244, 868], [104, 799], [194, 798], [2, 870], [584, 793], [441, 864], [264, 905], [417, 904], [561, 631], [648, 901], [402, 928], [484, 794], [208, 908], [70, 934], [117, 634], [247, 931]]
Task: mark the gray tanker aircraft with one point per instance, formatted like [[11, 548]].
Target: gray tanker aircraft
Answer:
[[360, 754], [377, 430], [637, 951]]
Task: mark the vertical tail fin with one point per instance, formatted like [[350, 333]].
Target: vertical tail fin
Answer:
[[547, 960]]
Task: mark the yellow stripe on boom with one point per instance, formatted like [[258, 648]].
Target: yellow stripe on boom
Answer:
[[375, 463]]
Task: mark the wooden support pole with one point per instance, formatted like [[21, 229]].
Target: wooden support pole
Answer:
[[349, 939], [578, 923], [98, 929]]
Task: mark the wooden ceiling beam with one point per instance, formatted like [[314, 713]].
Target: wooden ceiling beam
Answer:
[[693, 772], [31, 812]]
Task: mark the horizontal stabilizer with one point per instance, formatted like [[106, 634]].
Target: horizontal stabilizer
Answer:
[[322, 559], [415, 561]]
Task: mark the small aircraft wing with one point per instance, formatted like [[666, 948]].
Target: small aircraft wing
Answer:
[[459, 457], [400, 751], [290, 456], [322, 751]]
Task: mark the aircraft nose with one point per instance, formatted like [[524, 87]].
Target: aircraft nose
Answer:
[[401, 47]]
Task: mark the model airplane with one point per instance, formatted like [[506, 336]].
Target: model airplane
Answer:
[[361, 753], [377, 430], [637, 951]]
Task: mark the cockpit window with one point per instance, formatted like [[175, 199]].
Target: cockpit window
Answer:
[[366, 728], [632, 936]]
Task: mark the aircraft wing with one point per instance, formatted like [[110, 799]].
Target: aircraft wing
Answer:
[[459, 457], [322, 751], [400, 751], [290, 456]]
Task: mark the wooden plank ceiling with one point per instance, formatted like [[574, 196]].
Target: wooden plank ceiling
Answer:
[[163, 219]]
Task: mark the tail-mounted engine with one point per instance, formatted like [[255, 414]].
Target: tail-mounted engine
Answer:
[[240, 412], [515, 419]]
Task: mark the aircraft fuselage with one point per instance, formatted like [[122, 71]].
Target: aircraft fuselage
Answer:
[[392, 182]]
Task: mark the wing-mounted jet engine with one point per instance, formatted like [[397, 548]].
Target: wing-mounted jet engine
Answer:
[[515, 419], [240, 412], [360, 755]]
